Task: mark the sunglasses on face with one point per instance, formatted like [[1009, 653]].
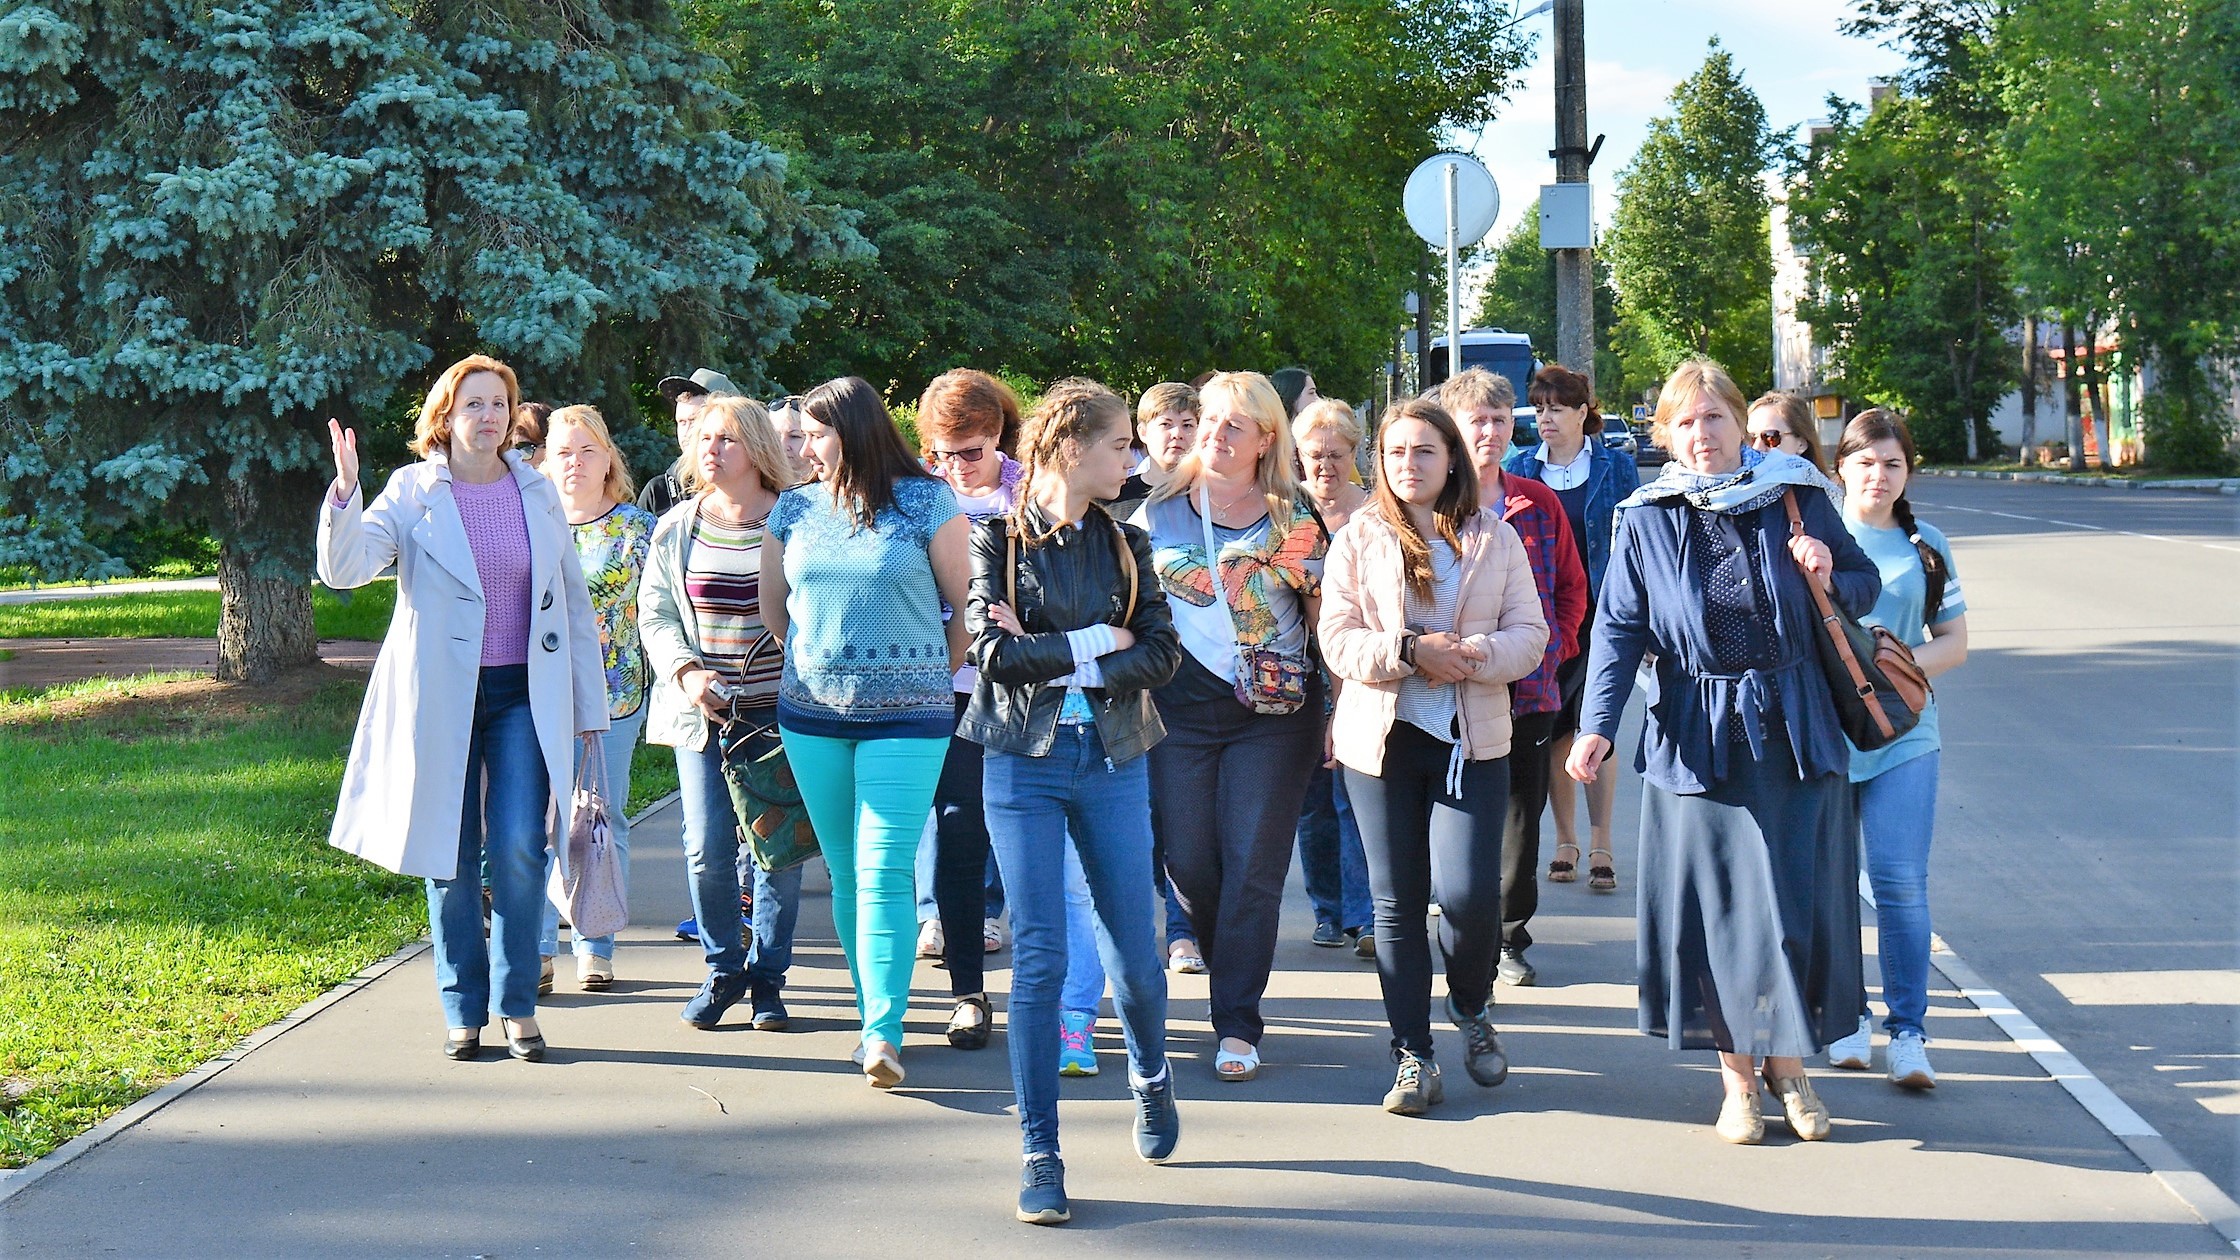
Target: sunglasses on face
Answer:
[[1770, 438], [971, 455]]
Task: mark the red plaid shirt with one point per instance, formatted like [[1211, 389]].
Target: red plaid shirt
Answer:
[[1533, 510]]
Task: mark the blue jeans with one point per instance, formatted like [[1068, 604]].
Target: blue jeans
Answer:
[[1084, 987], [1330, 859], [1897, 812], [713, 863], [507, 792], [1033, 804], [619, 741]]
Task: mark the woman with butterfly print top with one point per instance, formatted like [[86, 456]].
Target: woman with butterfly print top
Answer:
[[1244, 712], [1070, 633]]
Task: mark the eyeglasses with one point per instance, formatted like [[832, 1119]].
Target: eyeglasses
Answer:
[[1770, 438], [971, 455], [782, 404]]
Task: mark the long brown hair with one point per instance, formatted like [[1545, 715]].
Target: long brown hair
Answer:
[[873, 456], [1457, 501], [1867, 428]]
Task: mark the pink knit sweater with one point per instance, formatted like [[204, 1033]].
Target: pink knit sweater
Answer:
[[499, 535]]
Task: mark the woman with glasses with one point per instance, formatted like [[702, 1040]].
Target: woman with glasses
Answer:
[[855, 569], [785, 418], [1589, 479], [966, 422], [1783, 422]]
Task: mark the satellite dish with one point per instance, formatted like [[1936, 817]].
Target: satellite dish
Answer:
[[1477, 200]]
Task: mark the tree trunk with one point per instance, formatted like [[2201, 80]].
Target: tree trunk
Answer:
[[2072, 409], [264, 593], [2029, 389]]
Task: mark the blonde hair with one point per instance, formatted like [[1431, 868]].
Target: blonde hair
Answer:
[[1474, 387], [433, 429], [748, 423], [1333, 415], [1165, 397], [1250, 393], [1689, 382], [619, 486]]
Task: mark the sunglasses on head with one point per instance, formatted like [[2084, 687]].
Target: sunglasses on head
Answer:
[[780, 404], [971, 455], [1770, 438]]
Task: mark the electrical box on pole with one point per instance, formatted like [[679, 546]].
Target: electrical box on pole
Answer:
[[1566, 216]]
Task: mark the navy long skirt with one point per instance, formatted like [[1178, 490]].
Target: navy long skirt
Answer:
[[1749, 911]]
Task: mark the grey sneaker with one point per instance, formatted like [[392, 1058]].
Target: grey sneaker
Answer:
[[1513, 969], [1416, 1087], [1482, 1056], [1909, 1063], [1856, 1052]]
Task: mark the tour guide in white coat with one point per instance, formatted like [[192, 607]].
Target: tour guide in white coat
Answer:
[[490, 668]]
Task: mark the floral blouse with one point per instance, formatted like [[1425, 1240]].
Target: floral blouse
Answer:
[[613, 551]]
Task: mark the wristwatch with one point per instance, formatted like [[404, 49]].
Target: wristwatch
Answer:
[[1408, 647]]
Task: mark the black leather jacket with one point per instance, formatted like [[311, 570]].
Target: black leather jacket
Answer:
[[1065, 583]]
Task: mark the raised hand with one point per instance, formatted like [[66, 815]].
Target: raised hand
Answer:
[[345, 458]]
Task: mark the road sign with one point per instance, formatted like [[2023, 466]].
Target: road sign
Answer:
[[1477, 200], [1641, 413]]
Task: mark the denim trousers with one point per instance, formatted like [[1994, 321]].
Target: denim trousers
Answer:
[[616, 743], [1424, 842], [868, 800], [1228, 783], [1084, 987], [1897, 812], [717, 865], [1330, 861], [1034, 803], [507, 792], [1178, 923]]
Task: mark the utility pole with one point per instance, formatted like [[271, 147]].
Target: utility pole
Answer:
[[1574, 267]]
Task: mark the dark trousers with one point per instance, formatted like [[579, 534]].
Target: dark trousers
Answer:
[[1418, 835], [1531, 733], [960, 862], [1226, 784]]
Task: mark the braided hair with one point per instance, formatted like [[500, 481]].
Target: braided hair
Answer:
[[1867, 428], [1075, 410]]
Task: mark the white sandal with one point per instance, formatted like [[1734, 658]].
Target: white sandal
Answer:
[[1231, 1066]]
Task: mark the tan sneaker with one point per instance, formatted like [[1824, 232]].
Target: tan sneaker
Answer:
[[881, 1065], [1742, 1120], [594, 973], [1808, 1116]]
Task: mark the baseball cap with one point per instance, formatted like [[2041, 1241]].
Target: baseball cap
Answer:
[[702, 381]]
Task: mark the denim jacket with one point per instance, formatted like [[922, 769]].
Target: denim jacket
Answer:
[[1613, 477]]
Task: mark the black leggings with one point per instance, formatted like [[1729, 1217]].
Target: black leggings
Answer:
[[960, 862], [1417, 838], [1529, 772]]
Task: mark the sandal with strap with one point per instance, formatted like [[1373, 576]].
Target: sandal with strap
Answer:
[[1602, 876], [1228, 1065], [1561, 871]]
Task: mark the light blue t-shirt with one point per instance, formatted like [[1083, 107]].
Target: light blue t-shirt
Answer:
[[1904, 588], [866, 656]]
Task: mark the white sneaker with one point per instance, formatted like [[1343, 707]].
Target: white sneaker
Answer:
[[931, 944], [1855, 1052], [1909, 1063]]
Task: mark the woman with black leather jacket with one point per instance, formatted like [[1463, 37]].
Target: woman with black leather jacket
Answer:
[[1070, 633]]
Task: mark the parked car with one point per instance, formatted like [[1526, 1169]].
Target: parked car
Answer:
[[1618, 437], [1646, 451]]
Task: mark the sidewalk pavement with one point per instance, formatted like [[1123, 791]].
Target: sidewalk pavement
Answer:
[[43, 594], [54, 662], [350, 1135]]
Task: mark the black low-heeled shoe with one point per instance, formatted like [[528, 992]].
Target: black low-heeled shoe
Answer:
[[970, 1036], [526, 1049], [463, 1049]]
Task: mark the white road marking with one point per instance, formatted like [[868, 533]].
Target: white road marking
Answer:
[[2098, 529]]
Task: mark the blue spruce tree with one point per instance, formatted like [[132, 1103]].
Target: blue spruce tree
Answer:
[[221, 225]]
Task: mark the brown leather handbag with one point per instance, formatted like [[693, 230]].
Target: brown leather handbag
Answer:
[[1878, 687]]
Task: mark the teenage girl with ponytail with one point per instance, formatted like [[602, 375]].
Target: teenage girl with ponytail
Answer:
[[1071, 631], [1896, 784]]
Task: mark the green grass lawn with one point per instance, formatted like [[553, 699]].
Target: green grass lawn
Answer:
[[359, 614], [166, 889]]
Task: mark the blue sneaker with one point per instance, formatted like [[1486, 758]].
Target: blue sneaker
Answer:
[[1157, 1125], [689, 930], [1042, 1191], [769, 1010], [717, 994], [1077, 1046]]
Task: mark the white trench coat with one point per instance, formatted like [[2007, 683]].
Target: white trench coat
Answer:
[[405, 783]]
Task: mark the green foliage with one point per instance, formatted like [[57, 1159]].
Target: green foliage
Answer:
[[166, 892], [360, 614], [1134, 189], [1901, 216], [2125, 167], [1690, 251], [1522, 298], [219, 226]]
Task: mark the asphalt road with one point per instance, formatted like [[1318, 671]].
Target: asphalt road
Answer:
[[2087, 855]]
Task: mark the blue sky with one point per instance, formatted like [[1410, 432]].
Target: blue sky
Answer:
[[1789, 51]]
